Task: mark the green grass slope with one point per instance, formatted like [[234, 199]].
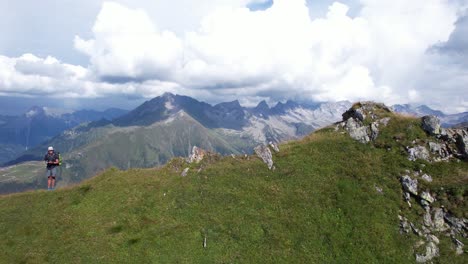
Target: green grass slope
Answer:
[[320, 205], [27, 175]]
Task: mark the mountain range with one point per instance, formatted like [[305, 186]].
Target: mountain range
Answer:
[[39, 124], [170, 125]]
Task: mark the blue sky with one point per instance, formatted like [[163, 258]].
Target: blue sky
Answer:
[[90, 54]]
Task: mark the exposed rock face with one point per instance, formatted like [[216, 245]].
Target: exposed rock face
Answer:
[[264, 153], [197, 155], [431, 124], [418, 152]]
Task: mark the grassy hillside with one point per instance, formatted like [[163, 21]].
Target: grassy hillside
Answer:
[[320, 205], [22, 177]]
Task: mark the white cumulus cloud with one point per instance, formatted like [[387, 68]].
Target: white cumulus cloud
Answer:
[[380, 53]]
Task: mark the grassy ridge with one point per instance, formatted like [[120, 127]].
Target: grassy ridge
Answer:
[[319, 206]]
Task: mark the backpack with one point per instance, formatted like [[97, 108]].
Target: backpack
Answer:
[[59, 158]]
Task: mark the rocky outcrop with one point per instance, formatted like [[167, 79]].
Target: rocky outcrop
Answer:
[[355, 119], [450, 142], [434, 221], [197, 155], [184, 172], [431, 124], [264, 153], [432, 250]]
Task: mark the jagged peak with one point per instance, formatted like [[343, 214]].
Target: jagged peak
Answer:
[[262, 105]]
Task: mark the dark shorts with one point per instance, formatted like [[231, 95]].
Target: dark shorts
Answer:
[[51, 172]]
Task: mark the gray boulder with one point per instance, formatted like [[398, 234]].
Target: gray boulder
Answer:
[[438, 220], [418, 152], [357, 131], [426, 177], [264, 153], [427, 218], [431, 124], [427, 197], [184, 172], [432, 251], [462, 141], [404, 225], [409, 185]]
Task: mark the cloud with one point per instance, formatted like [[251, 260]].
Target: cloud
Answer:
[[29, 75], [382, 52]]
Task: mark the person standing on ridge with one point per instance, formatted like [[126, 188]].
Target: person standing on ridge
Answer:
[[52, 161]]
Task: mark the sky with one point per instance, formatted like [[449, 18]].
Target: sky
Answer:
[[100, 54]]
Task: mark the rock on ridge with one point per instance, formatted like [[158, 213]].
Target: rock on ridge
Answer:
[[197, 155], [365, 112], [431, 124], [264, 153]]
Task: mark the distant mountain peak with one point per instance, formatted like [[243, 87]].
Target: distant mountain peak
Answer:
[[229, 105], [261, 109]]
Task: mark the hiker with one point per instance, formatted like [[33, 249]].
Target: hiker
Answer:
[[52, 160]]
